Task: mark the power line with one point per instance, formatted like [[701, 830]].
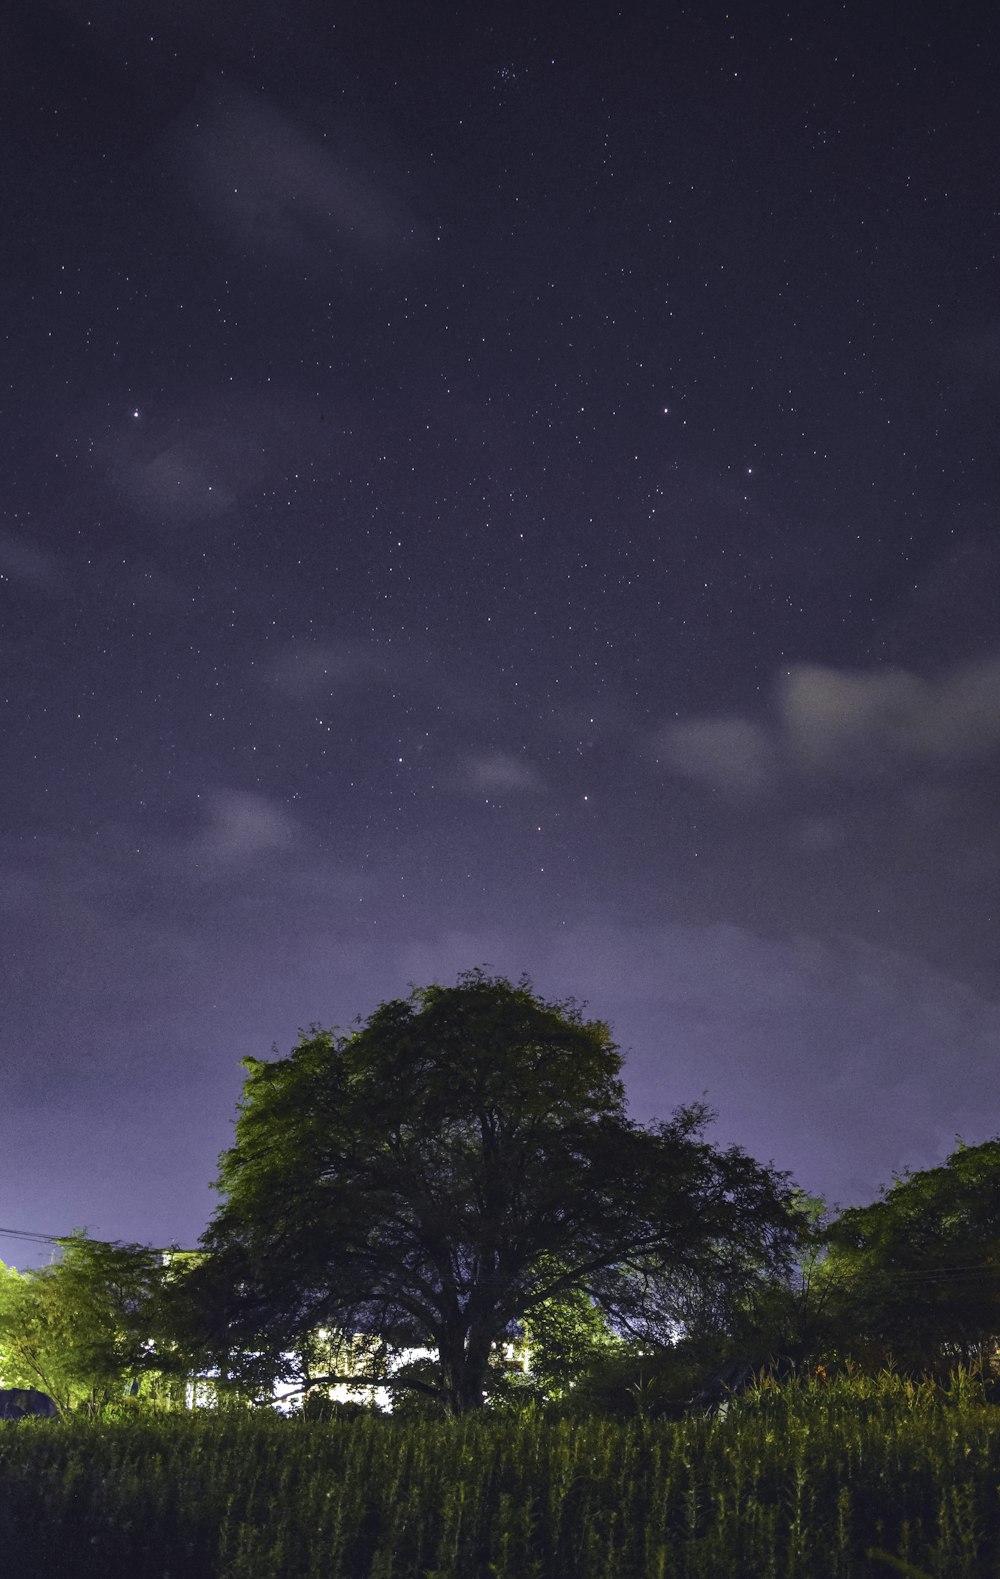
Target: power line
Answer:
[[29, 1234]]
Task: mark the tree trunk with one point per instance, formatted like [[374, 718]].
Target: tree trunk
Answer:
[[465, 1358]]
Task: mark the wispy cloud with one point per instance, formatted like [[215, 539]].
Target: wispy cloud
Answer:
[[500, 772], [23, 561], [243, 828], [310, 671], [977, 355], [865, 721], [733, 755], [270, 186], [177, 485], [831, 725], [315, 669]]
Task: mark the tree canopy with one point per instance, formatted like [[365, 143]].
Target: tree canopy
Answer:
[[917, 1273], [438, 1174], [82, 1329]]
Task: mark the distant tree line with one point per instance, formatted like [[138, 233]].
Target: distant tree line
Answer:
[[459, 1175]]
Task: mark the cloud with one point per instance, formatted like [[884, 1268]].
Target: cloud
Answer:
[[186, 466], [837, 719], [733, 755], [870, 720], [176, 485], [189, 459], [965, 717], [307, 669], [977, 355], [243, 827], [269, 186], [312, 671], [499, 772], [818, 834], [834, 724], [23, 561]]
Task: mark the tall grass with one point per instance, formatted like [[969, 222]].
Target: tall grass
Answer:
[[810, 1481]]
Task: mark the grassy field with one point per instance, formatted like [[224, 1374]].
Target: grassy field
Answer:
[[799, 1483]]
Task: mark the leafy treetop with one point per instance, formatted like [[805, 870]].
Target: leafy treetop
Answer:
[[445, 1169]]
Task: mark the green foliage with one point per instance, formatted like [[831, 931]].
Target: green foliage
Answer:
[[564, 1337], [916, 1275], [83, 1330], [629, 1381], [454, 1166], [803, 1481], [790, 1321]]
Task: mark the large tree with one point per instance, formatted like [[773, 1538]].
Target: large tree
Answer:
[[465, 1156]]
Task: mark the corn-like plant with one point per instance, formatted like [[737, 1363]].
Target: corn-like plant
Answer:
[[824, 1479]]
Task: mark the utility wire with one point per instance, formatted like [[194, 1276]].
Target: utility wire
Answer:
[[65, 1239], [26, 1233]]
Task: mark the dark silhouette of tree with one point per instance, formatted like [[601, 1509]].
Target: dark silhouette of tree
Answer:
[[916, 1275], [437, 1175]]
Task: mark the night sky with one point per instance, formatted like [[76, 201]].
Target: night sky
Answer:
[[512, 487]]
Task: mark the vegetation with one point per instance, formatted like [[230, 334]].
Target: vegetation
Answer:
[[916, 1275], [85, 1329], [803, 1481], [446, 1172], [457, 1173]]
